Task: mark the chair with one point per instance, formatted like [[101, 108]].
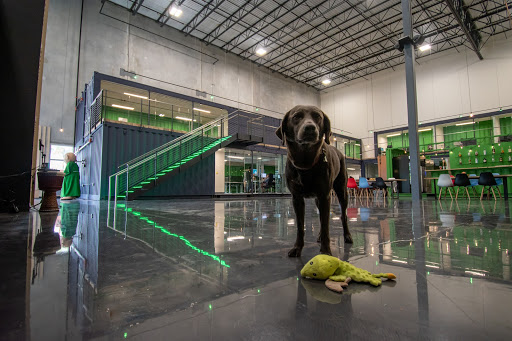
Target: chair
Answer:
[[445, 181], [364, 186], [499, 182], [474, 183], [487, 180], [381, 185], [352, 186], [462, 180]]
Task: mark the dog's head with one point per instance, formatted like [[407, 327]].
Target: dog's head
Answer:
[[305, 125]]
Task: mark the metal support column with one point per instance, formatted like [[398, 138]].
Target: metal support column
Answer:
[[412, 107]]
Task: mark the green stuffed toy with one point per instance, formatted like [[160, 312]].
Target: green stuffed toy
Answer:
[[338, 273]]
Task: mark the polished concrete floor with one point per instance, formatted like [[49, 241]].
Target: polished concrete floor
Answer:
[[218, 270]]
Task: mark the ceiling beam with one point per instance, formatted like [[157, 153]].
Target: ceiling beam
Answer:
[[474, 40], [135, 7]]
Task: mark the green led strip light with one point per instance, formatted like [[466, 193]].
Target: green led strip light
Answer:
[[174, 166], [165, 231]]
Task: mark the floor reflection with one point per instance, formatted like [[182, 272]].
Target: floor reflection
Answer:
[[218, 269]]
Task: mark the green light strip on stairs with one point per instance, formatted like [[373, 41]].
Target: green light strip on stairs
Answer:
[[167, 232], [178, 163]]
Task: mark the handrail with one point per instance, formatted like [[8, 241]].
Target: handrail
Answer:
[[182, 137]]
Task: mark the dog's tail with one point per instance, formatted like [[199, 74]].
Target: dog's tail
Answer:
[[385, 275]]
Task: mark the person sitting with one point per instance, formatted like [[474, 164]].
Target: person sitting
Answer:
[[71, 184], [268, 182]]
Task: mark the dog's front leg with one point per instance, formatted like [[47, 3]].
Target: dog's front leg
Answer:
[[299, 208], [324, 204]]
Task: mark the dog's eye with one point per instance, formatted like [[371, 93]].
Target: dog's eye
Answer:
[[311, 263], [314, 274], [316, 116]]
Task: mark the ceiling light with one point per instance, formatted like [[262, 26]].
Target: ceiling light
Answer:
[[230, 239], [399, 261], [236, 157], [425, 47], [202, 110], [184, 118], [398, 134], [357, 144], [61, 130], [122, 107], [334, 139], [261, 51], [161, 115], [351, 169], [134, 95], [175, 11], [426, 129], [326, 82], [465, 123]]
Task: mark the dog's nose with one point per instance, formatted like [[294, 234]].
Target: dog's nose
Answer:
[[310, 128]]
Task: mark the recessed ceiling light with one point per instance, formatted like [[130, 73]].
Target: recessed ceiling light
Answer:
[[175, 11], [393, 135], [202, 110], [326, 82], [134, 95], [122, 107], [261, 51], [425, 47], [463, 124], [426, 129]]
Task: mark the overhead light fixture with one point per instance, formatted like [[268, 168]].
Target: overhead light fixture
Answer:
[[122, 107], [398, 134], [357, 144], [161, 115], [261, 51], [61, 130], [425, 47], [334, 139], [230, 239], [351, 168], [134, 95], [175, 11], [463, 124], [184, 118], [471, 115], [202, 110], [426, 129], [236, 157], [326, 82], [399, 261]]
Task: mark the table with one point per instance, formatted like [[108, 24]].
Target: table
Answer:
[[391, 181], [501, 176]]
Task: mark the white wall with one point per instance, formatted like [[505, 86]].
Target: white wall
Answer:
[[448, 84], [109, 44]]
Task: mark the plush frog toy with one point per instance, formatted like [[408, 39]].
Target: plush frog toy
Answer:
[[338, 273]]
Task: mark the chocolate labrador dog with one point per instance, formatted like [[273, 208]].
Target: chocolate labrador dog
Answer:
[[313, 169]]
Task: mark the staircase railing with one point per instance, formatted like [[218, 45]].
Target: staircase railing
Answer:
[[169, 156]]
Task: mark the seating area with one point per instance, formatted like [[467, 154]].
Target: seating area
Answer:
[[463, 182], [363, 188]]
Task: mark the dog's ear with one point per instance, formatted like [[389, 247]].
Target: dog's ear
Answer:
[[327, 129], [281, 131]]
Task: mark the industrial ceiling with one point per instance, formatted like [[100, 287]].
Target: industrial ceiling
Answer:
[[315, 41]]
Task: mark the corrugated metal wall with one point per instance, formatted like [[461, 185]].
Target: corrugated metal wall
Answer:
[[122, 143], [89, 161]]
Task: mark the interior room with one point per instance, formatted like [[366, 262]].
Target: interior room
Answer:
[[274, 170]]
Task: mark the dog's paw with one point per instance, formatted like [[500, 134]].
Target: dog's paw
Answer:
[[295, 252], [348, 239], [325, 251]]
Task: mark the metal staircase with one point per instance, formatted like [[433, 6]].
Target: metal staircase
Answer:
[[148, 170]]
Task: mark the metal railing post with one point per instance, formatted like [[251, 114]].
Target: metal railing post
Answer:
[[180, 156], [202, 139], [154, 176], [115, 201], [127, 182]]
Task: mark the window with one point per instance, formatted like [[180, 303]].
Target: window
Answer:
[[57, 152]]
